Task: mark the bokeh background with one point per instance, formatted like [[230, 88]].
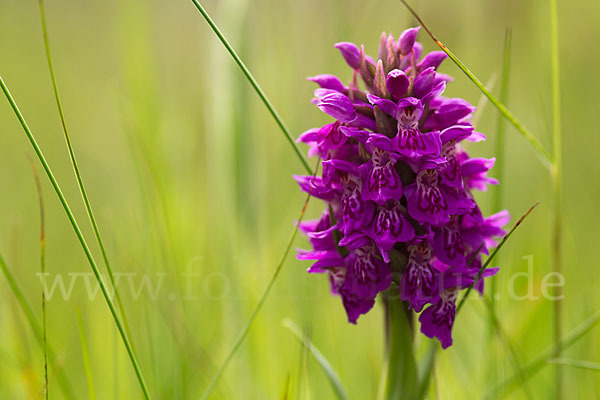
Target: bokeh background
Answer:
[[186, 171]]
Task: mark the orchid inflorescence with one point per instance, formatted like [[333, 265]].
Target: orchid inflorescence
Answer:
[[397, 186]]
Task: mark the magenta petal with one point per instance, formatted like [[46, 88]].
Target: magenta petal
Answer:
[[388, 106], [424, 82], [432, 60], [327, 81], [407, 40], [338, 106], [350, 52], [437, 321]]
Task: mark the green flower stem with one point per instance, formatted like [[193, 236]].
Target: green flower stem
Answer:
[[81, 239], [254, 84], [400, 364]]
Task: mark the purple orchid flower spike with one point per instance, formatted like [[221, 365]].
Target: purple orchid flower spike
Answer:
[[397, 185]]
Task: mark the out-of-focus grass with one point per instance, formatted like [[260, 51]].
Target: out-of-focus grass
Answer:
[[187, 172]]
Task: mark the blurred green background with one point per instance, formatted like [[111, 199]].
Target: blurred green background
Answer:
[[186, 171]]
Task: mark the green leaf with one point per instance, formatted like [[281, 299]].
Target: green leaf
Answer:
[[332, 375], [541, 361], [426, 369], [592, 366]]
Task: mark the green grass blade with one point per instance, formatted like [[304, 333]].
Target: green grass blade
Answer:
[[38, 186], [81, 239], [254, 84], [556, 174], [499, 153], [591, 366], [512, 351], [491, 257], [63, 382], [82, 190], [332, 375], [537, 146], [86, 359], [213, 383], [541, 361], [483, 101]]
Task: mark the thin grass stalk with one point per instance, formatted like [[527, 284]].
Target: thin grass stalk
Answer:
[[499, 153], [492, 255], [38, 186], [512, 351], [86, 358], [254, 84], [332, 375], [428, 368], [82, 241], [541, 360], [63, 382], [236, 345], [544, 156], [557, 191], [588, 365], [80, 184]]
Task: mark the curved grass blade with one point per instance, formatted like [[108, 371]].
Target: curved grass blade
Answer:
[[38, 186], [82, 190], [254, 84], [36, 327], [332, 375], [537, 146], [491, 257], [213, 383], [84, 245], [86, 359], [541, 361], [591, 366]]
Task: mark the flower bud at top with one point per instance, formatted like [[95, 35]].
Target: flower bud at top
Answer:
[[407, 40], [397, 83], [350, 52]]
